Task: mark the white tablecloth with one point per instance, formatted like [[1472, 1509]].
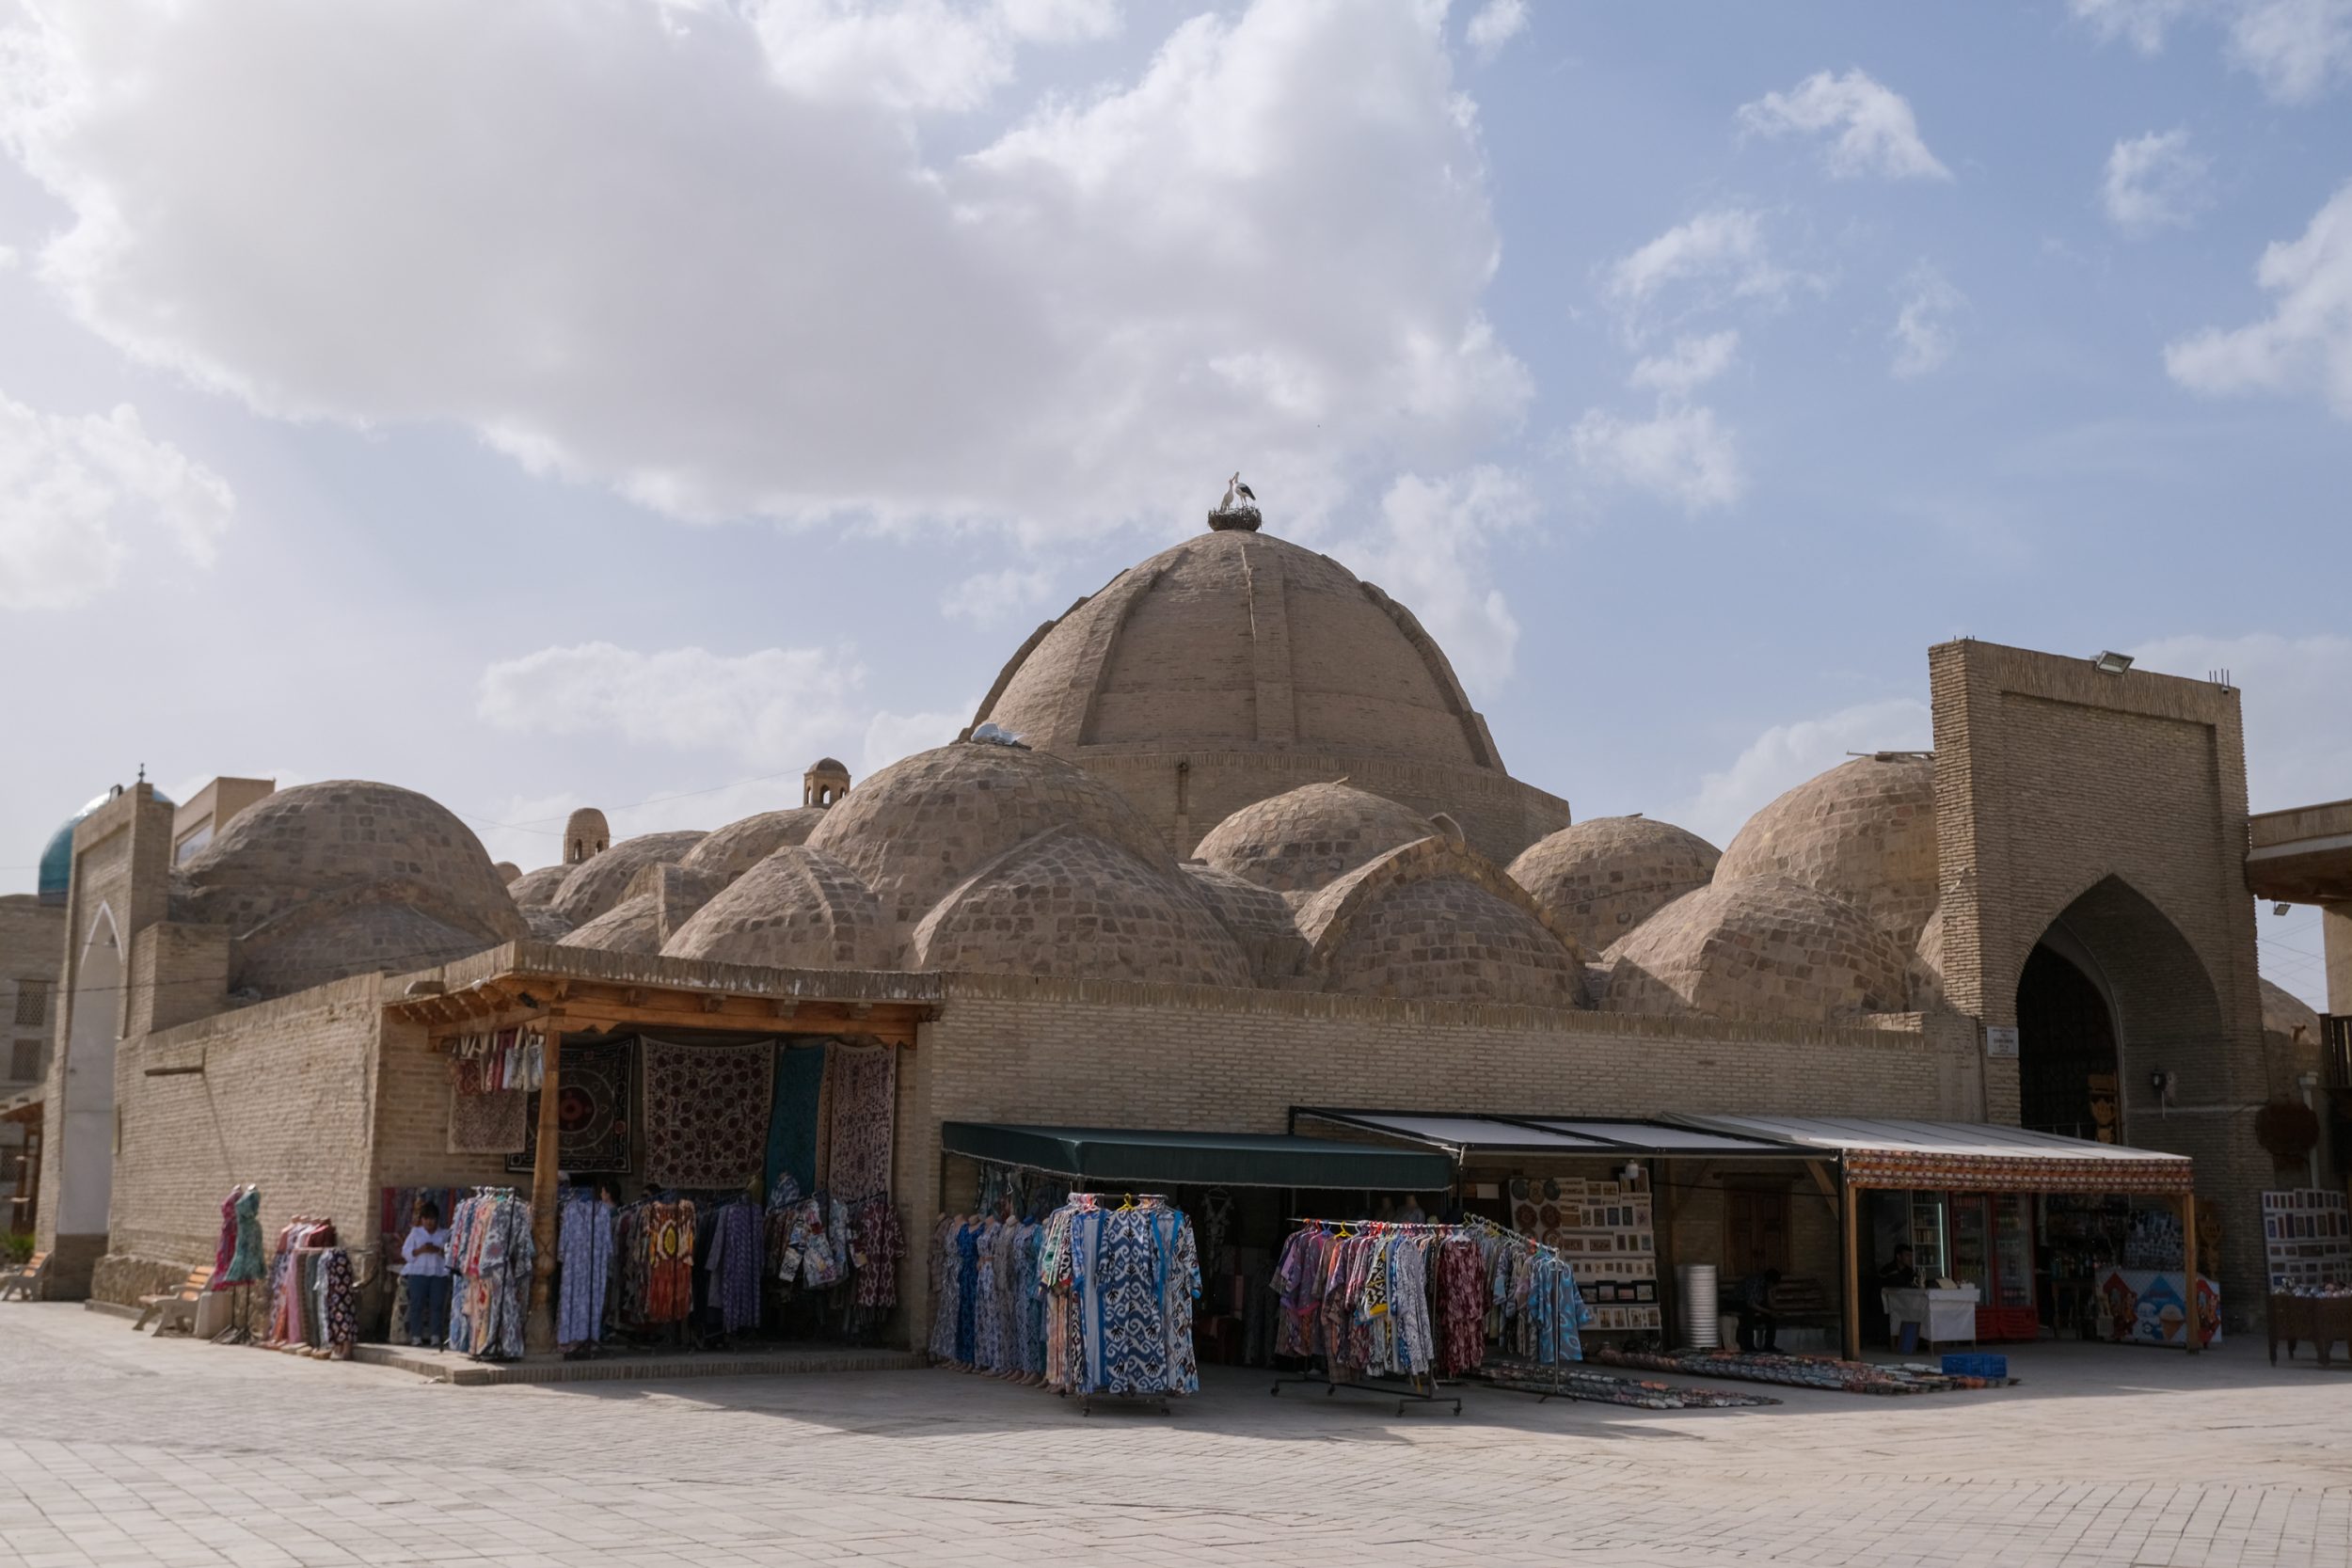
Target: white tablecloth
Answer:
[[1944, 1317]]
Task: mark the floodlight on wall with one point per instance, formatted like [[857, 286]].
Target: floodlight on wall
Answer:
[[2110, 662], [2281, 909]]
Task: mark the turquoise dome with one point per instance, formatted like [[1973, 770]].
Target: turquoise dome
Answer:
[[57, 859]]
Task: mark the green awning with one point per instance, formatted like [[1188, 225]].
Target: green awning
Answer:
[[1129, 1156]]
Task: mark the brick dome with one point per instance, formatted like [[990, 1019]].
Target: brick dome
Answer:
[[1259, 918], [1864, 831], [1066, 902], [585, 835], [1430, 921], [1760, 947], [2283, 1013], [1308, 838], [324, 880], [922, 825], [1605, 875], [737, 847], [797, 909], [1927, 964], [535, 889], [602, 881], [1238, 640], [631, 925]]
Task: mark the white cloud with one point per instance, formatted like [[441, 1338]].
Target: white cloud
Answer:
[[1690, 364], [2295, 48], [1720, 255], [1876, 133], [1785, 755], [2153, 182], [2141, 23], [991, 599], [776, 706], [79, 495], [1431, 555], [892, 735], [2291, 689], [2306, 341], [1682, 455], [1275, 241], [1497, 24], [1924, 335]]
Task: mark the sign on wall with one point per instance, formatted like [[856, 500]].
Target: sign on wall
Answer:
[[2000, 1043]]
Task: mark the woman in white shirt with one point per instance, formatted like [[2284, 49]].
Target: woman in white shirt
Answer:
[[424, 1263]]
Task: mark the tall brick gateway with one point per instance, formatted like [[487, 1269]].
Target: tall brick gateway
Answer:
[[1226, 840]]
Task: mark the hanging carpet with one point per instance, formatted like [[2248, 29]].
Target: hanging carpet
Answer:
[[707, 1113], [491, 1123], [792, 1125], [861, 1083], [593, 1109]]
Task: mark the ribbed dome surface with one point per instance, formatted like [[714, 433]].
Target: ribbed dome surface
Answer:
[[1259, 918], [539, 887], [1069, 903], [1864, 831], [1761, 947], [631, 925], [925, 823], [597, 884], [1602, 877], [797, 909], [1309, 838], [1236, 640], [2284, 1012], [738, 846], [1430, 921]]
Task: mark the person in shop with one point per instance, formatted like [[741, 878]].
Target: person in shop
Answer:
[[1900, 1274], [1759, 1325], [1410, 1212], [424, 1269]]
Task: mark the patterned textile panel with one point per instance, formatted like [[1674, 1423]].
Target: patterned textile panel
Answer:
[[707, 1113], [594, 1110]]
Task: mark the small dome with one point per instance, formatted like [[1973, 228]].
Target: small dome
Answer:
[[1605, 875], [543, 924], [1865, 832], [1068, 903], [600, 882], [631, 925], [508, 872], [308, 949], [585, 835], [1306, 839], [922, 825], [1432, 922], [2283, 1013], [1259, 918], [538, 887], [1761, 947], [738, 846], [797, 909], [827, 764], [354, 840]]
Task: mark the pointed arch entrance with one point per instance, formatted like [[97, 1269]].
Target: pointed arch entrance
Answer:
[[2111, 992], [86, 1128]]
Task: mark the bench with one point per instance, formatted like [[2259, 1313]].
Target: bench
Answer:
[[1803, 1302], [24, 1279], [175, 1310]]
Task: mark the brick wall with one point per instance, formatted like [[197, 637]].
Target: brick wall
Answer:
[[280, 1093]]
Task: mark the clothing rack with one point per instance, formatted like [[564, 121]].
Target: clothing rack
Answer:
[[1421, 1387]]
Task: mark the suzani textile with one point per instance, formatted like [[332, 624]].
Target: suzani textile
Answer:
[[707, 1113], [492, 1123], [863, 1092], [593, 1110]]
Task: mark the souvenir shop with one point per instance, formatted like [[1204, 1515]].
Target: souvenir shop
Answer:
[[1095, 1263], [710, 1189]]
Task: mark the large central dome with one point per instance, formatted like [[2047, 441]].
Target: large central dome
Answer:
[[1237, 667], [1240, 642]]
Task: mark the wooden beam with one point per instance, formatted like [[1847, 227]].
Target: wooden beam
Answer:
[[783, 1007], [2188, 1261], [1819, 1173], [1853, 1262]]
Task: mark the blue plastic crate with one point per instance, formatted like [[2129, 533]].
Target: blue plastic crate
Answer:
[[1992, 1367]]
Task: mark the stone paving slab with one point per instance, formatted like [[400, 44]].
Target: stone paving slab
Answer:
[[117, 1448]]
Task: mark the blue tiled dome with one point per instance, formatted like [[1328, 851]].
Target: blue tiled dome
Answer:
[[57, 859]]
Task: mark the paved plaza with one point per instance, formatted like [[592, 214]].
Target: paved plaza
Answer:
[[121, 1449]]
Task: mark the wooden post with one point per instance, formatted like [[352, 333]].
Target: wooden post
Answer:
[[1662, 1221], [2188, 1262], [1853, 1264], [539, 1334]]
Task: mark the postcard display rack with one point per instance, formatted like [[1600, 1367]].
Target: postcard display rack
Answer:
[[1605, 1228], [2306, 1238]]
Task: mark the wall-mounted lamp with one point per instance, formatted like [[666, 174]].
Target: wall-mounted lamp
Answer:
[[2110, 662], [2163, 1082]]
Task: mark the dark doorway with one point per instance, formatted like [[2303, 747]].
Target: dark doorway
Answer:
[[2066, 1058], [1755, 1230]]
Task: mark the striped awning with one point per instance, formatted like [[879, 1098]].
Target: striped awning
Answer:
[[1967, 1156]]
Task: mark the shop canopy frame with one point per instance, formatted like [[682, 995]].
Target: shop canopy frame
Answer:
[[1465, 1134], [1139, 1157]]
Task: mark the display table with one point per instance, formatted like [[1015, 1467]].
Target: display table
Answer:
[[2150, 1306], [2321, 1320], [1944, 1317]]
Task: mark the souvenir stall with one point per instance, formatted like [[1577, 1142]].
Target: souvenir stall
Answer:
[[2117, 1271], [2307, 1244]]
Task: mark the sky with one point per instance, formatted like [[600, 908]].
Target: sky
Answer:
[[625, 402]]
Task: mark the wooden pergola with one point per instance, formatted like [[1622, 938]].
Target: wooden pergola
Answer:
[[560, 990]]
